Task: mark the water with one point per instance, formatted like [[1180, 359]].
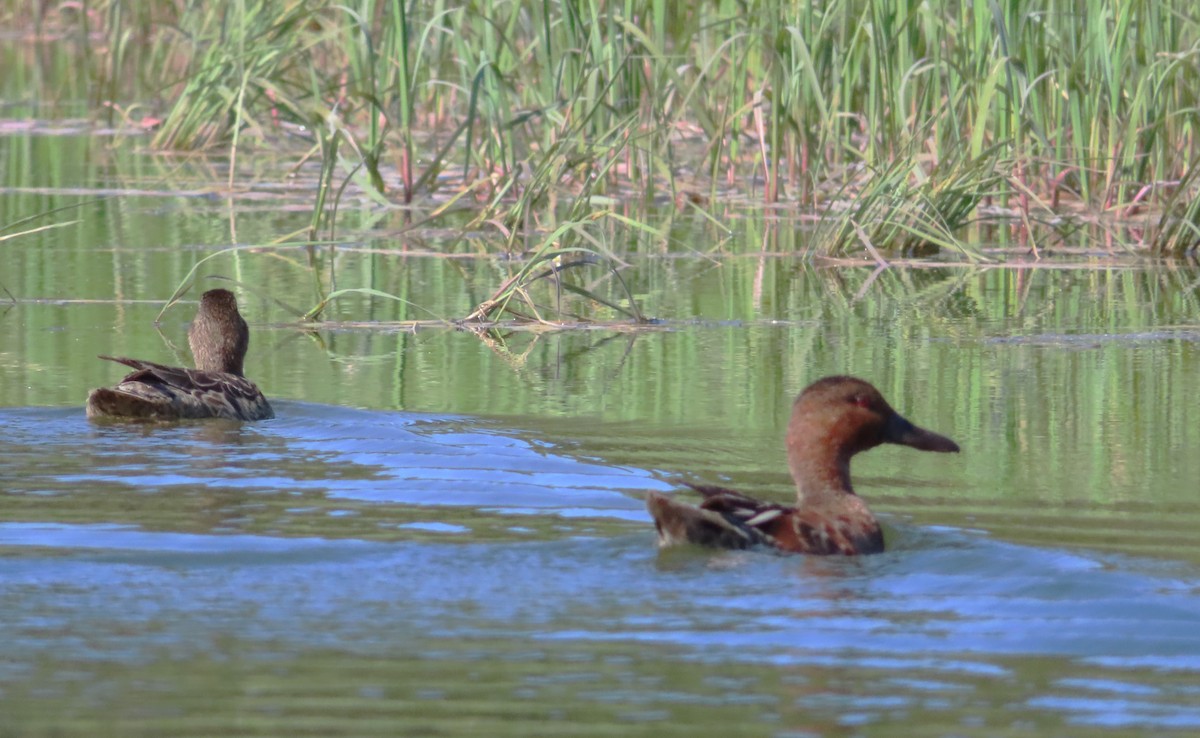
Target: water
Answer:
[[443, 532], [390, 572]]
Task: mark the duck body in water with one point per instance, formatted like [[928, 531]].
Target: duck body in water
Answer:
[[832, 420], [216, 388]]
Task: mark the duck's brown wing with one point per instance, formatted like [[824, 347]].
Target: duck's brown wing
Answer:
[[811, 532], [678, 522], [729, 519], [157, 391]]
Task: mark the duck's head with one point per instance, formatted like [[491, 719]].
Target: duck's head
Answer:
[[219, 336], [837, 417]]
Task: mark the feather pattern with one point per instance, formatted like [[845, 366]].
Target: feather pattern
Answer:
[[728, 517], [157, 391]]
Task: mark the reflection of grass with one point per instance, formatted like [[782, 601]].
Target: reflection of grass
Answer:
[[206, 508], [550, 264], [612, 666]]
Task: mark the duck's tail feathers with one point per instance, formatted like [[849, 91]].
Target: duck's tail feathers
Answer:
[[133, 363], [112, 403], [678, 522]]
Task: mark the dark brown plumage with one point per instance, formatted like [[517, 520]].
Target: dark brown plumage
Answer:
[[832, 420], [216, 388]]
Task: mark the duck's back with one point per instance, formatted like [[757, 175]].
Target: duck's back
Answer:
[[729, 519], [160, 392]]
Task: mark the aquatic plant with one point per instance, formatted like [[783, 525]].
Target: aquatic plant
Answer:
[[1177, 232], [904, 208], [776, 100]]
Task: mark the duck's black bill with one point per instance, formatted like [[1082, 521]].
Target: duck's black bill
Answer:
[[900, 431]]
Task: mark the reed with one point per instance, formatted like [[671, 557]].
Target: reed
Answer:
[[551, 268], [913, 213], [1177, 232], [1093, 105]]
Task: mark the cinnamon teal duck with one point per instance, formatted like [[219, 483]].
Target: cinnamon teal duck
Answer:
[[216, 388], [832, 420]]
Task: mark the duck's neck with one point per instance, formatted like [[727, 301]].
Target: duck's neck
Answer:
[[819, 453], [211, 361], [218, 348], [233, 365], [821, 475]]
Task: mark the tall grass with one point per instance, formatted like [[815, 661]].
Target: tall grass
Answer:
[[913, 212], [1087, 103], [1178, 229]]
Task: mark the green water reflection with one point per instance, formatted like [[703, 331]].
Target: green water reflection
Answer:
[[1068, 389], [487, 688], [1071, 389]]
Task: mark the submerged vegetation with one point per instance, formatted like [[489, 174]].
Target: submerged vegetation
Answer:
[[899, 123]]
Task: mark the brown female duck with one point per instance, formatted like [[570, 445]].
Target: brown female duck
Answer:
[[216, 388], [832, 420]]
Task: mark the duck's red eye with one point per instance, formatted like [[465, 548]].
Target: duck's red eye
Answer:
[[862, 401]]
